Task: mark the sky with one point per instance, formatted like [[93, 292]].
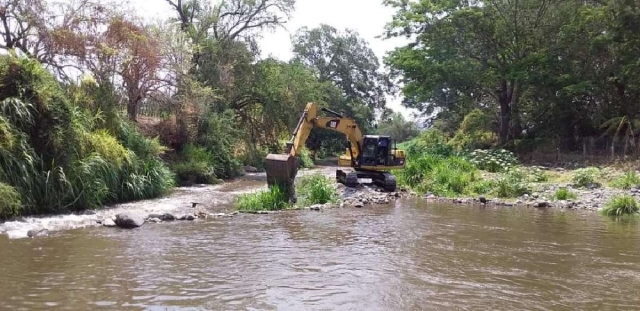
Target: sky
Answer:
[[367, 17]]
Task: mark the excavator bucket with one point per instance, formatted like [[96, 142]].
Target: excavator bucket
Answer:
[[281, 170]]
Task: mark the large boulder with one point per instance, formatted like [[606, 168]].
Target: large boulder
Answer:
[[129, 220]]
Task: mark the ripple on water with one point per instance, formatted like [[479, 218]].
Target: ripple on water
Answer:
[[403, 258]]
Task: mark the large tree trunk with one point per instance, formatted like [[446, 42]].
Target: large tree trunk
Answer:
[[516, 128], [505, 94], [132, 109]]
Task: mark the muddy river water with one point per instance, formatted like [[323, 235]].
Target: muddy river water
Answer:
[[410, 255]]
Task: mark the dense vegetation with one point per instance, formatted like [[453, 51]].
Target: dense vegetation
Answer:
[[537, 73], [65, 150], [310, 190]]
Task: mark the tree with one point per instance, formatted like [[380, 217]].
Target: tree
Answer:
[[344, 59], [397, 127], [469, 55], [56, 34]]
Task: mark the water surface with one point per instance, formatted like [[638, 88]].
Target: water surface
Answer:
[[411, 256]]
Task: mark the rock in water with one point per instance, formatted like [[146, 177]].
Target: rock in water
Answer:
[[37, 232], [190, 217], [129, 220], [168, 217], [359, 204], [482, 200], [108, 222]]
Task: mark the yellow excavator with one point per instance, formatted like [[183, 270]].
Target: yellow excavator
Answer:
[[370, 156]]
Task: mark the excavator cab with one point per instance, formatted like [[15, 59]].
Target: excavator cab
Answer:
[[377, 151]]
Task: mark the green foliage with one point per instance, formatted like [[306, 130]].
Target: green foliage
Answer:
[[56, 157], [398, 128], [273, 199], [219, 134], [442, 176], [627, 181], [586, 177], [316, 189], [512, 183], [194, 166], [482, 187], [539, 69], [432, 141], [621, 205], [305, 158], [475, 132], [537, 175], [10, 204], [564, 194], [494, 160]]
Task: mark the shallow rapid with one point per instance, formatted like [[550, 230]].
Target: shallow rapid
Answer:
[[410, 255]]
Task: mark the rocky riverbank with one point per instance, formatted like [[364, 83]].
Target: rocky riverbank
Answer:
[[592, 199]]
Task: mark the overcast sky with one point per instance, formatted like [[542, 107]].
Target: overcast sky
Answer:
[[367, 17]]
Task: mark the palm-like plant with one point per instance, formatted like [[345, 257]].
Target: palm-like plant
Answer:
[[624, 127]]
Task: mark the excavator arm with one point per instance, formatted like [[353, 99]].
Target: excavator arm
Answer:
[[282, 168]]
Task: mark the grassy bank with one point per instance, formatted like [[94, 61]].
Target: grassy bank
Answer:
[[65, 149], [436, 167], [310, 190]]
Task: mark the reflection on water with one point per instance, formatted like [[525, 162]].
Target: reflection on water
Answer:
[[413, 256]]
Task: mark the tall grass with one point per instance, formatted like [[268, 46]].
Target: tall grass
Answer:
[[512, 184], [565, 194], [316, 189], [272, 199], [627, 181], [310, 190], [58, 152], [621, 205], [442, 176], [194, 166]]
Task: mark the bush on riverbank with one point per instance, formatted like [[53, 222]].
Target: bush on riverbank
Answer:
[[512, 184], [442, 176], [627, 181], [586, 177], [564, 194], [272, 199], [310, 190], [621, 205], [316, 189], [66, 150]]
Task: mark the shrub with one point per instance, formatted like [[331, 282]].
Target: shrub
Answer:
[[621, 205], [305, 159], [10, 204], [475, 131], [272, 199], [586, 176], [537, 175], [627, 181], [442, 176], [62, 152], [564, 194], [482, 187], [194, 166], [316, 189], [432, 141], [512, 184], [495, 160]]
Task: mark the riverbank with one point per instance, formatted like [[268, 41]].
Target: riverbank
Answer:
[[557, 189], [215, 201]]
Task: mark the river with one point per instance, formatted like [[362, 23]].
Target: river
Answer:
[[410, 255]]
